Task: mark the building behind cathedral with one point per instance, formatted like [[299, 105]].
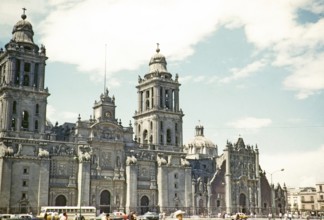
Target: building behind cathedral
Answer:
[[99, 162]]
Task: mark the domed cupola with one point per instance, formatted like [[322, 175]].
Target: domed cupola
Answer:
[[23, 33], [158, 66], [200, 146]]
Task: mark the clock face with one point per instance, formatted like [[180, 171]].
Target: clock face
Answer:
[[108, 114]]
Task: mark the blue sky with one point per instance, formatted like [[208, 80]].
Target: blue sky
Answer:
[[250, 68]]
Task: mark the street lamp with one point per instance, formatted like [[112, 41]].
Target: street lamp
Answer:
[[275, 172], [272, 191]]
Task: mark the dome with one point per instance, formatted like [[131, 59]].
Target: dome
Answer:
[[158, 62], [200, 146], [200, 141], [23, 32]]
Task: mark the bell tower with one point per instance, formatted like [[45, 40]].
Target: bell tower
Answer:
[[158, 119], [23, 99]]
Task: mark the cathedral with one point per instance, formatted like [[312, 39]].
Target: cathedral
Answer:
[[144, 166]]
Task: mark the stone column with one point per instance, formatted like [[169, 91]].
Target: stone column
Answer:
[[258, 185], [84, 183], [209, 194], [163, 98], [188, 187], [131, 189], [176, 103], [228, 188], [22, 72], [193, 184], [156, 96], [41, 75], [32, 74], [5, 111], [43, 183], [162, 182]]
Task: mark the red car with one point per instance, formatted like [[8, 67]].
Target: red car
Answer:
[[121, 214]]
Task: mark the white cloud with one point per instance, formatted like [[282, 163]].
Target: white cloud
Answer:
[[76, 32], [60, 116], [301, 168], [244, 72], [250, 123]]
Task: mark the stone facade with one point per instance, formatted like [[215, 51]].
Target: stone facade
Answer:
[[100, 162]]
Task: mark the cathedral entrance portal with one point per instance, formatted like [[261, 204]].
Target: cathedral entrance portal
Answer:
[[242, 203], [144, 204], [201, 210], [105, 202], [60, 201]]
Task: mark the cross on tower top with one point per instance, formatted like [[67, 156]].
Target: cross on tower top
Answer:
[[23, 16], [157, 47]]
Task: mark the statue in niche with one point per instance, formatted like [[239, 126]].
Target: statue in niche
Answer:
[[131, 160], [19, 150]]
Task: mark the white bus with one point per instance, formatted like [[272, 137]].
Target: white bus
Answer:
[[73, 212]]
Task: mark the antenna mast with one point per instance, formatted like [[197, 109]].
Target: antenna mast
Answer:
[[105, 68]]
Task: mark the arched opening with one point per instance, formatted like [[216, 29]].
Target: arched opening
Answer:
[[169, 136], [60, 200], [280, 208], [37, 109], [144, 204], [242, 202], [26, 80], [14, 107], [201, 207], [13, 124], [36, 125], [145, 140], [105, 202], [151, 139], [25, 120]]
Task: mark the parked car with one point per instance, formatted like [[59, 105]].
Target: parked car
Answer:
[[111, 216], [25, 216], [239, 215], [148, 216], [6, 216], [121, 214]]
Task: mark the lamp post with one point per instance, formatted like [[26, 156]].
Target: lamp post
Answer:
[[272, 190]]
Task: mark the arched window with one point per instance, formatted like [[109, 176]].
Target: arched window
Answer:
[[144, 204], [60, 201], [169, 136], [13, 124], [105, 201], [26, 80], [25, 120], [36, 125], [151, 139], [37, 109], [145, 140], [14, 107]]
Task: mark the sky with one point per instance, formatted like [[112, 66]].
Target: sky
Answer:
[[248, 68]]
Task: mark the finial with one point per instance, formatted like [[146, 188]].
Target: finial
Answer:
[[23, 16], [157, 47]]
